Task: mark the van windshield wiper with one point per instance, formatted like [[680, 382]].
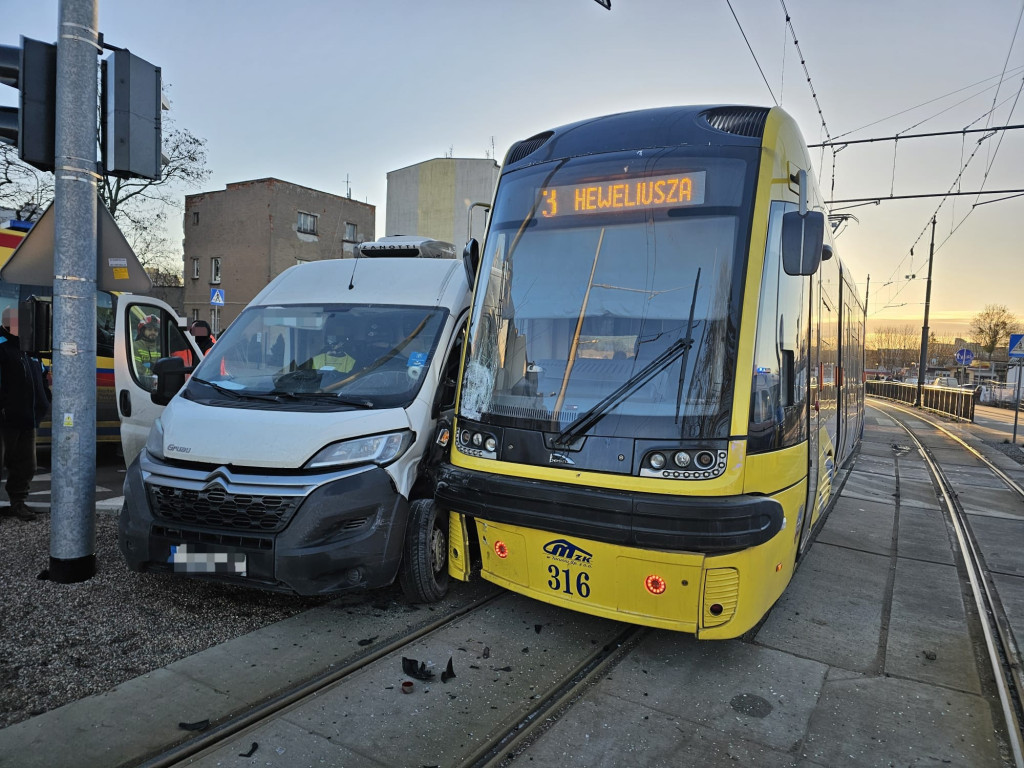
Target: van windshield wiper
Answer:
[[597, 412], [328, 397], [236, 394]]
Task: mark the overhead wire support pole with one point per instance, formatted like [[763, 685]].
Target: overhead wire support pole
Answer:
[[73, 511], [924, 329]]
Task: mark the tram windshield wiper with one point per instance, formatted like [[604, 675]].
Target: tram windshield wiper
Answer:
[[680, 347], [598, 411]]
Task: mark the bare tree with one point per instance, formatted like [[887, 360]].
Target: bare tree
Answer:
[[942, 351], [896, 346], [991, 328], [139, 206]]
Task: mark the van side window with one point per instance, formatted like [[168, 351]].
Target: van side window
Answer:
[[445, 398]]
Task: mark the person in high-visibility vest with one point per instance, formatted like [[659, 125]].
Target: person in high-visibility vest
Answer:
[[146, 349], [333, 357]]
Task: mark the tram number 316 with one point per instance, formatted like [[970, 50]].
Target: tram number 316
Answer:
[[562, 581]]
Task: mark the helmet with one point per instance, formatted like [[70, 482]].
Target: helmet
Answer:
[[148, 321]]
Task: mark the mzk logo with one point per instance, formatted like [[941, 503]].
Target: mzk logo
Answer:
[[563, 549]]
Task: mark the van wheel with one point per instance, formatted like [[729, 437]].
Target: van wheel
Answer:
[[424, 572]]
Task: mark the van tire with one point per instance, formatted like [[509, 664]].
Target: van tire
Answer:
[[424, 571]]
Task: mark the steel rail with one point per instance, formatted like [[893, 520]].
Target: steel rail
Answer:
[[222, 733], [502, 747], [1002, 651]]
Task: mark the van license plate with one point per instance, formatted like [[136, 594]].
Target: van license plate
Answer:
[[185, 558]]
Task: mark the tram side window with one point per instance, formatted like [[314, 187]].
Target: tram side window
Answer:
[[779, 379]]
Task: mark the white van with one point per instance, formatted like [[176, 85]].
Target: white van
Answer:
[[298, 455]]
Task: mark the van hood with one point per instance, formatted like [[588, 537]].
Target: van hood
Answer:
[[264, 438]]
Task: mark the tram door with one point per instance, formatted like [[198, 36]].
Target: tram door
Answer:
[[824, 432]]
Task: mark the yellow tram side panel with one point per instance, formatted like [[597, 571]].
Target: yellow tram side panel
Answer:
[[826, 474], [783, 153]]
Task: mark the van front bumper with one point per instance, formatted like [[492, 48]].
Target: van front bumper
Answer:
[[307, 533]]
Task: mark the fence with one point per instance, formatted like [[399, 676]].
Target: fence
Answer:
[[998, 394], [953, 402]]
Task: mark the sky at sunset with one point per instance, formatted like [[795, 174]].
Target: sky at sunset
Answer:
[[317, 93]]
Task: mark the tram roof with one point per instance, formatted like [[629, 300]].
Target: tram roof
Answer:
[[721, 124]]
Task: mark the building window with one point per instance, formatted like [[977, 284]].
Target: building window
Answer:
[[195, 218], [215, 270], [195, 315], [350, 231], [215, 321], [307, 223], [195, 269]]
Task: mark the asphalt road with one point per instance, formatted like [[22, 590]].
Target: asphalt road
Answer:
[[997, 423]]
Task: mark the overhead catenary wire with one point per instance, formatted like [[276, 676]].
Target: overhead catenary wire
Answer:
[[751, 49], [929, 101], [950, 194]]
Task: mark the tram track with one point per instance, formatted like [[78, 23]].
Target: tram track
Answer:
[[1000, 644], [500, 735], [561, 694], [266, 711]]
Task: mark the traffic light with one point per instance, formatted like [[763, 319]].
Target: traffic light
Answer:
[[32, 69], [131, 117]]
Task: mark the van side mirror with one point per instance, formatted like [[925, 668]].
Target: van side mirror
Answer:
[[170, 378], [803, 238], [471, 260]]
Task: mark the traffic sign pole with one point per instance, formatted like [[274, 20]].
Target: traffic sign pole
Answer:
[[1017, 352], [1016, 401]]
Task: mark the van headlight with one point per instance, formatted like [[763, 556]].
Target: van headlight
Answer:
[[377, 449], [155, 441]]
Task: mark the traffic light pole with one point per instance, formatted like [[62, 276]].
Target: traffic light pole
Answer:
[[73, 453]]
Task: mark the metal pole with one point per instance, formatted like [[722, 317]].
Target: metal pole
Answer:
[[1016, 400], [924, 330], [73, 515]]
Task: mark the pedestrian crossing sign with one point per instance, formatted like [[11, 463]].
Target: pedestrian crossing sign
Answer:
[[216, 297], [1017, 345]]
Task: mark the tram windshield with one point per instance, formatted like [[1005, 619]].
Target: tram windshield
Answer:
[[609, 300]]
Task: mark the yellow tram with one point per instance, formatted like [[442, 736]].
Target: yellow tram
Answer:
[[663, 370]]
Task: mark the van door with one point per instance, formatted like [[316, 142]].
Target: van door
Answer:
[[146, 330]]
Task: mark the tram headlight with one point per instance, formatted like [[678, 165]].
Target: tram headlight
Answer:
[[476, 443], [681, 458], [705, 459], [657, 460]]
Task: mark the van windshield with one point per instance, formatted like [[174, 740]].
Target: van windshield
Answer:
[[320, 357]]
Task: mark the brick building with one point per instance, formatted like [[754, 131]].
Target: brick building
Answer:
[[238, 239]]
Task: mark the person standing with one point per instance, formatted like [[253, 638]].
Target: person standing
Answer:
[[24, 401], [203, 334], [147, 349]]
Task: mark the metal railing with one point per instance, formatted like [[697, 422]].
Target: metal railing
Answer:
[[958, 403]]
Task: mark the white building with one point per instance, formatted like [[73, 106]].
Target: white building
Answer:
[[444, 198]]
